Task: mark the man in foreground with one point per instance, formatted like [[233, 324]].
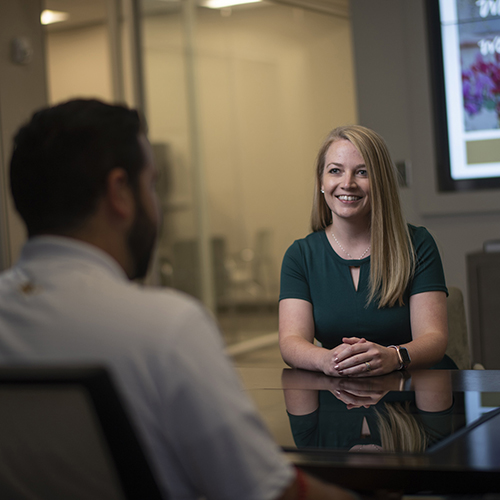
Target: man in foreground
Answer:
[[83, 180]]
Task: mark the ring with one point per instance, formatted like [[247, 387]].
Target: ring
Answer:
[[368, 367]]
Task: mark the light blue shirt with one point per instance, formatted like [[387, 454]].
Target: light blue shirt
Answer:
[[66, 301]]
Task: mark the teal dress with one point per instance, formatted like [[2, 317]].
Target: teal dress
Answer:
[[314, 272], [333, 426]]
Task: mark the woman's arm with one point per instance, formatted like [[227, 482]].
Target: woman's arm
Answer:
[[433, 390], [296, 339], [429, 328]]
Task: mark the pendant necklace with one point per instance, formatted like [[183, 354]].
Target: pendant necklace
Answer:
[[347, 253]]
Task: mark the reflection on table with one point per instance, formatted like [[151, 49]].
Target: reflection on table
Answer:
[[434, 431], [372, 414]]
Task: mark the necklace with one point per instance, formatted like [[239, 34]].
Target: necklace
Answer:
[[347, 253]]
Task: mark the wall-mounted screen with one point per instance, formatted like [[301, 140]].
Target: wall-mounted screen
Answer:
[[465, 55]]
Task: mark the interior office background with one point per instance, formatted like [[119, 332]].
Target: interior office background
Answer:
[[238, 102]]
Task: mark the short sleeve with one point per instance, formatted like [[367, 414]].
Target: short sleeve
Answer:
[[437, 425], [304, 429], [429, 273], [294, 283]]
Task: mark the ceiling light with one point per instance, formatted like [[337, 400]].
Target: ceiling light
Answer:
[[221, 4], [53, 16]]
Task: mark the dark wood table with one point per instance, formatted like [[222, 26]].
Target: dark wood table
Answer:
[[461, 454]]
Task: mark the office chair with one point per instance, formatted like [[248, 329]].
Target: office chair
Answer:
[[64, 434]]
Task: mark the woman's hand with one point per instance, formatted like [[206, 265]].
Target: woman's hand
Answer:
[[360, 358], [355, 357], [330, 358], [357, 396]]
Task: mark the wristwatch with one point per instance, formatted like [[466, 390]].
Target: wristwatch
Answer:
[[403, 356]]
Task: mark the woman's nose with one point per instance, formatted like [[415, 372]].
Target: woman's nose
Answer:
[[348, 181]]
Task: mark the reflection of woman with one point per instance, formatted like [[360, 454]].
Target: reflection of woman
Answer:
[[390, 426], [365, 284], [356, 415]]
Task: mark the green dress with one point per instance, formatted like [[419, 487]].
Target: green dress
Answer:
[[314, 272], [332, 425]]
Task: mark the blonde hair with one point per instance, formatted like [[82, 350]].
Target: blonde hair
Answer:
[[392, 252], [399, 429]]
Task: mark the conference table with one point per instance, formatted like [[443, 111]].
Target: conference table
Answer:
[[414, 432]]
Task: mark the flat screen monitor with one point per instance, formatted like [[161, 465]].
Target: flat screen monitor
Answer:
[[464, 42]]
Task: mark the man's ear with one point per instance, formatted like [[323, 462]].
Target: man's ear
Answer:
[[119, 195]]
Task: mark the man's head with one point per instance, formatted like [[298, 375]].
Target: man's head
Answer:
[[61, 167]]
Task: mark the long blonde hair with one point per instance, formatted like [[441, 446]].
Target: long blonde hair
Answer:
[[392, 252], [399, 430]]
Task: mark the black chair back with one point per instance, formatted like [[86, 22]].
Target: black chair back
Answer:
[[64, 434]]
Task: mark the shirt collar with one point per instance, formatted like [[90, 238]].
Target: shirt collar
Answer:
[[61, 247]]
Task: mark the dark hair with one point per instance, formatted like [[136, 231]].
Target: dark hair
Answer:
[[62, 158]]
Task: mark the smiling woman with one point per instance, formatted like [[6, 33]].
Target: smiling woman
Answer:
[[365, 284]]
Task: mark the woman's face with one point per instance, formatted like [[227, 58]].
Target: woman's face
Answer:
[[345, 182]]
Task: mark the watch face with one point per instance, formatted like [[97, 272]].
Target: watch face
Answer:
[[405, 356]]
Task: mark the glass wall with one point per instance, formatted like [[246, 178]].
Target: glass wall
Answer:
[[238, 101]]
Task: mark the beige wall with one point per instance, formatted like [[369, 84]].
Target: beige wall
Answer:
[[78, 64], [272, 82], [22, 90]]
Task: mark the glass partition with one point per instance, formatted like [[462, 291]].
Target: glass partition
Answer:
[[238, 100], [270, 81]]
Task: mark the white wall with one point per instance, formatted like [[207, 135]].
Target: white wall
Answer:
[[393, 95]]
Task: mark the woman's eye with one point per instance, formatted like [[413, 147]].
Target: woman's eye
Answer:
[[363, 173], [334, 170]]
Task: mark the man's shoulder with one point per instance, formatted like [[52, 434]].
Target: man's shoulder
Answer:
[[175, 300], [158, 322], [159, 302]]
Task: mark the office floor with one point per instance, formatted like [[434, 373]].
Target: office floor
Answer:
[[251, 336], [242, 324], [267, 356], [252, 341]]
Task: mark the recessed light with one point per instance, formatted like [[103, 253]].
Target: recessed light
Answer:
[[53, 16], [221, 4]]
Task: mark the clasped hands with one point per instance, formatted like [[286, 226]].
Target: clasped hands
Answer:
[[357, 357], [362, 393]]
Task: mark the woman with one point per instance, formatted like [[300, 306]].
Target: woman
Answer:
[[366, 285]]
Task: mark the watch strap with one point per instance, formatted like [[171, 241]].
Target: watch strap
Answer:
[[400, 358]]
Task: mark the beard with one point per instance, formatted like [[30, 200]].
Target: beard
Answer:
[[141, 241]]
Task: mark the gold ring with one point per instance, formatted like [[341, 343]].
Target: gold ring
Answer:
[[368, 367]]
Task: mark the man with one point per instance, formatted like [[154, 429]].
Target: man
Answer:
[[83, 180]]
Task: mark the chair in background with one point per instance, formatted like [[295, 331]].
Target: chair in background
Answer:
[[65, 434], [458, 340]]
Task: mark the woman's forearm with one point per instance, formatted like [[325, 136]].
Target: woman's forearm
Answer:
[[298, 352], [427, 350]]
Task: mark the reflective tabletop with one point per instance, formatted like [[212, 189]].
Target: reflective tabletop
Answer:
[[432, 431]]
